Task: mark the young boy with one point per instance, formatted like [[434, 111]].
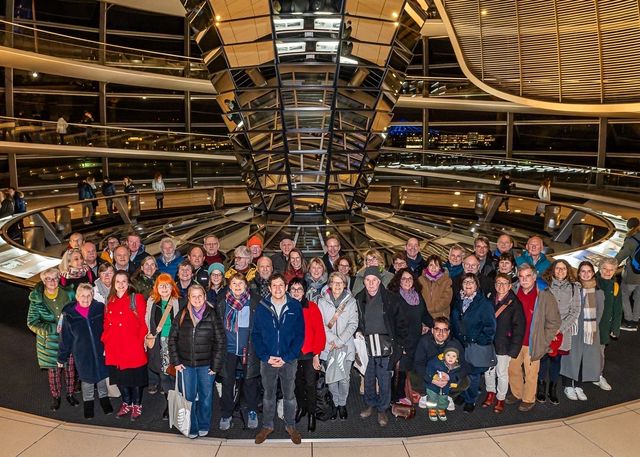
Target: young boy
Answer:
[[443, 373]]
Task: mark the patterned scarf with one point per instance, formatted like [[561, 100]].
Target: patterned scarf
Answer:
[[431, 277], [466, 301], [589, 310], [236, 305], [75, 273], [410, 296]]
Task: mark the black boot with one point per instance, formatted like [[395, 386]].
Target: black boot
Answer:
[[342, 412], [553, 398], [165, 413], [106, 405], [541, 395], [55, 404], [88, 409], [73, 401], [312, 423], [300, 413]]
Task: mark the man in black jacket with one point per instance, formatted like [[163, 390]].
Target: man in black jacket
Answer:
[[383, 327]]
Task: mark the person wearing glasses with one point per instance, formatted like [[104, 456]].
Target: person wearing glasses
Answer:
[[309, 359], [471, 265], [46, 301], [345, 266], [164, 293], [372, 258], [431, 345], [242, 264], [217, 283], [473, 322], [510, 324]]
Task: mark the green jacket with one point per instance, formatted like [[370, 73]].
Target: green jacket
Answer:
[[42, 321], [612, 314]]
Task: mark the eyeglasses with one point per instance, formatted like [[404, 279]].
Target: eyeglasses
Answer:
[[502, 284], [337, 283], [406, 279], [216, 273], [296, 289], [468, 281], [164, 284], [51, 279], [440, 330], [344, 265]]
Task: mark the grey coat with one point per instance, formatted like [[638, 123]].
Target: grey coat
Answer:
[[625, 253], [582, 355], [346, 325], [569, 298]]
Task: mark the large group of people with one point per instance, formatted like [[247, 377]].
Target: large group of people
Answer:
[[256, 328]]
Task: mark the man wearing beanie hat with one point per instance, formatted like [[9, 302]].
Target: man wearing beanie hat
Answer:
[[384, 330], [630, 284], [443, 374], [255, 246]]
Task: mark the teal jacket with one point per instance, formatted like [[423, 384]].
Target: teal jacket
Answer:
[[541, 265], [42, 321]]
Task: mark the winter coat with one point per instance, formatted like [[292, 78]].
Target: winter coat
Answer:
[[281, 336], [202, 345], [394, 320], [415, 317], [584, 359], [612, 313], [314, 334], [428, 349], [345, 327], [108, 189], [144, 284], [85, 191], [358, 281], [252, 363], [279, 262], [171, 267], [43, 321], [477, 324], [544, 324], [436, 365], [569, 300], [510, 326], [140, 255], [124, 332], [625, 254], [152, 318], [541, 265], [81, 337], [437, 294]]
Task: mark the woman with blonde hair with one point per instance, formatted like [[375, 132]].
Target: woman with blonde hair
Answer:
[[316, 279], [372, 258], [73, 270]]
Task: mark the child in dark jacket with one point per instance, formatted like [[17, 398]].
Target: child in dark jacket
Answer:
[[443, 373]]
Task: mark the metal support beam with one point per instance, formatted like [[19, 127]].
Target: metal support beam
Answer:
[[508, 147], [602, 149], [105, 166], [123, 209], [564, 232], [13, 170], [189, 174], [492, 208], [50, 233]]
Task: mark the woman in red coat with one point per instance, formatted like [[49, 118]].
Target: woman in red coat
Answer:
[[309, 359], [123, 338]]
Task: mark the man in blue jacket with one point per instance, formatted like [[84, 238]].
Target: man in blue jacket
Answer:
[[278, 334], [533, 255]]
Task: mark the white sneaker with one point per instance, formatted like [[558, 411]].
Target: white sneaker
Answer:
[[452, 405], [570, 393], [580, 394], [424, 403], [603, 384]]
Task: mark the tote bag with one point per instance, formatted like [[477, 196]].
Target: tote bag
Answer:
[[179, 408]]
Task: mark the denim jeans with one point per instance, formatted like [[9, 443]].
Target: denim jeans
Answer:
[[270, 375], [471, 394], [198, 382], [378, 369]]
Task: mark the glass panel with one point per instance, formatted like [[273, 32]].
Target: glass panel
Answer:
[[623, 138], [566, 137], [144, 110], [450, 138]]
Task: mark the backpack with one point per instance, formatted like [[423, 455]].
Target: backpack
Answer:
[[634, 259], [325, 408]]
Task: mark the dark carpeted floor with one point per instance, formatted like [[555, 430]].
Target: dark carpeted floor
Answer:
[[24, 388]]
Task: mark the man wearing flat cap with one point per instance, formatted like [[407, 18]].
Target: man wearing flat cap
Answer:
[[384, 329]]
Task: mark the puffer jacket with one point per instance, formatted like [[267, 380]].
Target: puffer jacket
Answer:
[[202, 345], [568, 296], [43, 321], [437, 294]]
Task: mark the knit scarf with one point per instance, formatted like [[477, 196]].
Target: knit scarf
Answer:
[[101, 288], [589, 310], [431, 277], [263, 286], [314, 286], [336, 301], [410, 296], [236, 305], [75, 273], [466, 301]]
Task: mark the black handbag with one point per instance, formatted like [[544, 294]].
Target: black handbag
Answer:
[[481, 355]]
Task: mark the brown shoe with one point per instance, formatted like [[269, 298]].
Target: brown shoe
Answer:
[[294, 435], [524, 406], [499, 407], [511, 399], [382, 419], [368, 411], [262, 435]]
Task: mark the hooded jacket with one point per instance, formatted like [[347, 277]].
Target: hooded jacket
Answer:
[[281, 336]]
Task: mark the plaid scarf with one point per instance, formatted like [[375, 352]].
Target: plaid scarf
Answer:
[[466, 301], [236, 305], [589, 310]]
